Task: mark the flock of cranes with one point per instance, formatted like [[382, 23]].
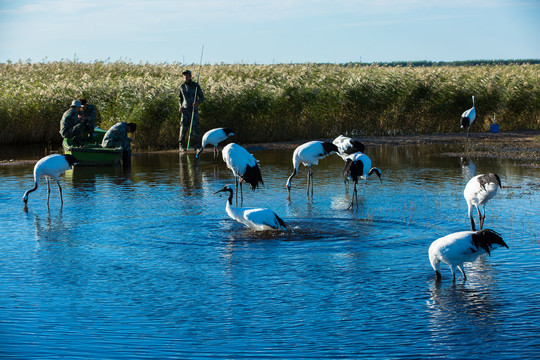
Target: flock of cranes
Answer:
[[453, 249]]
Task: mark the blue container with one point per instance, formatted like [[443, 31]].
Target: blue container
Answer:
[[494, 128]]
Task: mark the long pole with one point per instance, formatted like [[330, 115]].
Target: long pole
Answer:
[[194, 100]]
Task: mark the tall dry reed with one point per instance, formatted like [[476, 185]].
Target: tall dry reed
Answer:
[[268, 102]]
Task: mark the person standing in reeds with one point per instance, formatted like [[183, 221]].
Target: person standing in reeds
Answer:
[[71, 126], [88, 114], [190, 97]]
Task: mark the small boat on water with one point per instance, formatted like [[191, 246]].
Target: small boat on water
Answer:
[[91, 152]]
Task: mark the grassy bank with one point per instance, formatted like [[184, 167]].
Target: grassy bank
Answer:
[[269, 102]]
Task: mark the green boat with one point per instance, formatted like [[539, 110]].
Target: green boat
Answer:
[[91, 152]]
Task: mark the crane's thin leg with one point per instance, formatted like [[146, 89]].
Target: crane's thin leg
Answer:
[[241, 194], [236, 182], [60, 191], [353, 196], [473, 227], [483, 217], [48, 191], [480, 217], [460, 267], [356, 194], [308, 180], [311, 182]]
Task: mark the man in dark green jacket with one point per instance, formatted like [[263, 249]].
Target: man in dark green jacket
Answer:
[[70, 125], [190, 97], [116, 136], [88, 112]]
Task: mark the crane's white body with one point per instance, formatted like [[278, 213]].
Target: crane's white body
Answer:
[[238, 159], [467, 118], [458, 248], [258, 219], [214, 137], [309, 154], [365, 161], [243, 165]]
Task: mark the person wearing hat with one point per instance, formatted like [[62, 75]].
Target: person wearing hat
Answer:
[[190, 97], [70, 125], [88, 115], [117, 136]]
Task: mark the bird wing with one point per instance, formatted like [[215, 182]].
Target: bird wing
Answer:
[[311, 152], [237, 158], [456, 247], [466, 113], [487, 239], [262, 219], [470, 114], [214, 136], [51, 166], [342, 143]]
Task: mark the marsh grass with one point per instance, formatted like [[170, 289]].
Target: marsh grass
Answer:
[[266, 103]]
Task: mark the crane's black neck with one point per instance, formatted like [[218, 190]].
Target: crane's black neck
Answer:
[[25, 196], [230, 195]]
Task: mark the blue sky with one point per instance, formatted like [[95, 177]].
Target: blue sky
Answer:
[[269, 31]]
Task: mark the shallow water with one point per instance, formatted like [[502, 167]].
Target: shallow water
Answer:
[[145, 263]]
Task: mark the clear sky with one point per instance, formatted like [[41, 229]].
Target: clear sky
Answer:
[[269, 31]]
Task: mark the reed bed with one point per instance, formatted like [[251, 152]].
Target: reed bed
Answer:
[[266, 103]]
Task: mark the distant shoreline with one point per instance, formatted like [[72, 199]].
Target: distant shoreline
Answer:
[[518, 145]]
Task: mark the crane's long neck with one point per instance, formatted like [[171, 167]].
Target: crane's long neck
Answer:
[[296, 164], [473, 101], [25, 196], [229, 200], [290, 178]]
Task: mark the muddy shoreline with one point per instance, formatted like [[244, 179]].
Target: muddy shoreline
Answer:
[[518, 145]]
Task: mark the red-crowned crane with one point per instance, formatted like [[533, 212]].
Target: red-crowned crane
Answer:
[[477, 192], [460, 247], [243, 165], [258, 219], [214, 137], [468, 117], [347, 146], [50, 167], [309, 154], [358, 166]]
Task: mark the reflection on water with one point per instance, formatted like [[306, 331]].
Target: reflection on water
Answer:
[[145, 263]]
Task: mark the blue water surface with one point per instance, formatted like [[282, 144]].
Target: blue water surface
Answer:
[[144, 262]]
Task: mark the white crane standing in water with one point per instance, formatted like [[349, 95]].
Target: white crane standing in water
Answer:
[[50, 167], [467, 118], [258, 219], [358, 166], [478, 191], [244, 167], [214, 137], [309, 154], [460, 247]]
